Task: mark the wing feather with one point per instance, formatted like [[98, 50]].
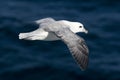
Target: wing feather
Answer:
[[76, 45]]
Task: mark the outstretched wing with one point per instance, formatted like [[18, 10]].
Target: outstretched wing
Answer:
[[76, 45], [45, 20]]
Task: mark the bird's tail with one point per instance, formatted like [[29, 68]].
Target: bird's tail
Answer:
[[24, 36], [34, 35]]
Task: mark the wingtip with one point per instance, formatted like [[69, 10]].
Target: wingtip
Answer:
[[83, 69]]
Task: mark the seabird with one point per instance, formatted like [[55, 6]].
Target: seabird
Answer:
[[50, 30]]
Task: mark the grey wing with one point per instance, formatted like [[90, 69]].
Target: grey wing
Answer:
[[45, 20], [76, 45]]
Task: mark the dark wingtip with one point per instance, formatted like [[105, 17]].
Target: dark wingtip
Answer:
[[83, 65]]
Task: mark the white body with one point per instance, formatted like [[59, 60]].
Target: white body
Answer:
[[40, 34]]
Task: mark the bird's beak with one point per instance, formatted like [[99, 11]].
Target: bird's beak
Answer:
[[86, 31]]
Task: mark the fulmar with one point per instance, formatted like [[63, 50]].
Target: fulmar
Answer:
[[50, 29]]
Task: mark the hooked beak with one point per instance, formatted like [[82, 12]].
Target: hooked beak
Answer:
[[86, 31]]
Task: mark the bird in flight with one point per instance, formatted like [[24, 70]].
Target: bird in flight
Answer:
[[50, 30]]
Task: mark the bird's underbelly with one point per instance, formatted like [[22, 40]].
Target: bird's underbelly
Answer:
[[51, 37]]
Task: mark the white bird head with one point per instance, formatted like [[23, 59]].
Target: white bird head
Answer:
[[75, 26]]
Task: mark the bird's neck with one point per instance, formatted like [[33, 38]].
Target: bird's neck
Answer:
[[71, 25]]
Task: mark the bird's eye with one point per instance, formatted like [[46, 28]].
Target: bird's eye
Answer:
[[80, 26]]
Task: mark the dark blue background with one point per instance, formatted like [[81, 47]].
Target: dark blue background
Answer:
[[39, 60]]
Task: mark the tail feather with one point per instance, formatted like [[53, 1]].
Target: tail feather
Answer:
[[23, 35]]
